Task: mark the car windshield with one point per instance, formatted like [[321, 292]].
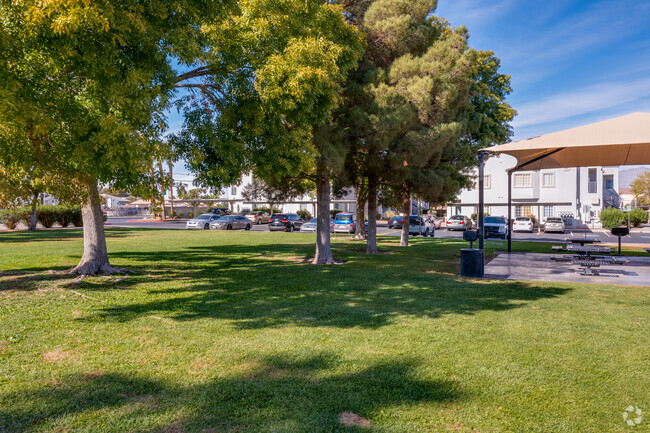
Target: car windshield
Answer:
[[313, 220], [526, 219], [342, 218], [495, 220], [278, 216], [226, 218], [457, 217], [204, 216], [553, 220], [414, 220]]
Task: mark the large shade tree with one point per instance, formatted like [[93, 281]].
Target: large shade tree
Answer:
[[421, 103], [269, 112]]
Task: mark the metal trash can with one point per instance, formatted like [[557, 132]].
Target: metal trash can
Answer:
[[471, 262]]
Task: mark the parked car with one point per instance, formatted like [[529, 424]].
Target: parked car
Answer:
[[416, 225], [346, 222], [523, 224], [258, 217], [396, 222], [495, 226], [310, 226], [554, 224], [232, 222], [202, 221], [288, 222], [459, 222], [220, 211]]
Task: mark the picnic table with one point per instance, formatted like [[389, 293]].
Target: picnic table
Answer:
[[586, 250], [582, 241], [584, 258]]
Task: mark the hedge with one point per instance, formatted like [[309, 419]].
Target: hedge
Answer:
[[47, 216]]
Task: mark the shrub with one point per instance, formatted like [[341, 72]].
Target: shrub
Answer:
[[378, 216], [48, 215], [304, 214], [612, 217], [638, 216], [190, 214], [266, 209], [474, 216], [10, 218], [333, 212], [389, 214], [70, 216], [533, 218]]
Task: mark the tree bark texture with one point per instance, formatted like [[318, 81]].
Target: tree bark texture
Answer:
[[95, 256], [171, 189], [371, 244], [32, 220], [162, 188], [323, 248], [360, 230], [406, 210]]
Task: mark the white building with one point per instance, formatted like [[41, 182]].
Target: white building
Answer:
[[575, 194]]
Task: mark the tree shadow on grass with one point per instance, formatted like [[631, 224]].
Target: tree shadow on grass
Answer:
[[277, 393], [61, 234], [266, 286]]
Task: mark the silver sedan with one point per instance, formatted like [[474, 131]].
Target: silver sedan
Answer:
[[310, 226], [202, 221], [232, 222]]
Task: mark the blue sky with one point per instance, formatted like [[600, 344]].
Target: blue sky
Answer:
[[572, 62]]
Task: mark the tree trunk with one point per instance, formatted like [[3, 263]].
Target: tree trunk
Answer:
[[371, 245], [95, 256], [162, 188], [171, 189], [32, 220], [323, 247], [360, 231], [406, 210]]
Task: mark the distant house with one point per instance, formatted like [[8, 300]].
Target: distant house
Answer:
[[113, 202]]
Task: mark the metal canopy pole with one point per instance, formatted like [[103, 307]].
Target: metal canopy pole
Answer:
[[481, 234], [509, 211]]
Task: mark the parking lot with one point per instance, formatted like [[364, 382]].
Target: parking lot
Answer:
[[638, 236]]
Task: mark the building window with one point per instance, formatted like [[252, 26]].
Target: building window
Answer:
[[486, 210], [523, 180], [593, 184], [522, 211], [486, 182], [548, 211], [458, 210], [233, 190], [548, 180]]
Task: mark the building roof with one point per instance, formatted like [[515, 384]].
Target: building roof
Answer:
[[620, 141]]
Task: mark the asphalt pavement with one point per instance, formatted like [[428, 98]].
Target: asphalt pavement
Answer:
[[637, 236]]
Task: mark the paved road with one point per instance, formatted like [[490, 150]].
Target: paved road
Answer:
[[641, 236]]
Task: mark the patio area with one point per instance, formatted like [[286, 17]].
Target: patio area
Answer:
[[540, 267]]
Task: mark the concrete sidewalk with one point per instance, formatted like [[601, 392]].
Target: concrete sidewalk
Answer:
[[540, 267]]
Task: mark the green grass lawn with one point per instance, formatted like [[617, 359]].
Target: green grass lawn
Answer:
[[233, 332]]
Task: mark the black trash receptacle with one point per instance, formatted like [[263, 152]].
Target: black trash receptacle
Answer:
[[471, 262]]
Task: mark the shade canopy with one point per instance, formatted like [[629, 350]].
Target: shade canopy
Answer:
[[620, 141]]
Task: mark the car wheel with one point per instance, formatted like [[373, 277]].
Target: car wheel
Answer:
[[229, 227], [206, 227], [291, 228], [259, 221], [248, 226]]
